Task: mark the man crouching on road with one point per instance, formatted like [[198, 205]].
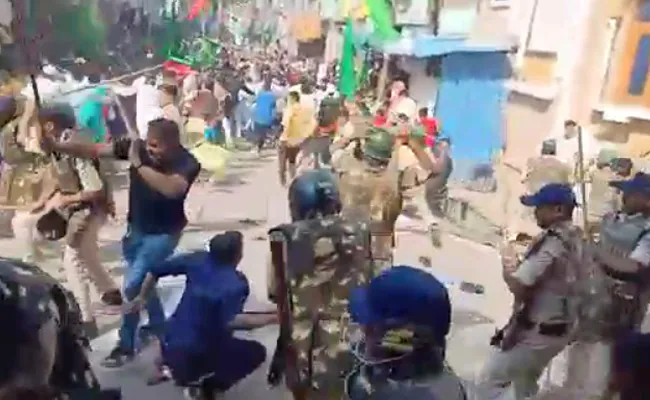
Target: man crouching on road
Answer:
[[198, 346]]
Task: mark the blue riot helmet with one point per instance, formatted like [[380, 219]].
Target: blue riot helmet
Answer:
[[404, 296], [405, 314], [314, 193]]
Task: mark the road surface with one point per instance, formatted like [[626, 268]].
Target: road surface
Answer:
[[249, 198]]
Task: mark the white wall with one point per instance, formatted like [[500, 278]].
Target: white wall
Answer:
[[6, 13], [422, 88]]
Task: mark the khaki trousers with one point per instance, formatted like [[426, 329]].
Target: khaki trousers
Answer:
[[513, 374], [24, 226], [588, 368], [83, 268]]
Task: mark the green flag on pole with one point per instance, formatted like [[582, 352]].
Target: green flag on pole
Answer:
[[347, 78], [381, 16]]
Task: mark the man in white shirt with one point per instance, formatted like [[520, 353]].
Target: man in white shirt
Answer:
[[147, 105], [568, 146], [403, 105]]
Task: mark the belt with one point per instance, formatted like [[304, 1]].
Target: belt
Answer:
[[551, 329]]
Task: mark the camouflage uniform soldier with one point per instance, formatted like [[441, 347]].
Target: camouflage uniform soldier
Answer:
[[43, 344], [25, 174], [369, 181], [318, 260]]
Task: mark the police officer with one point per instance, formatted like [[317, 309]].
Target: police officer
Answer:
[[83, 196], [405, 314], [542, 283], [541, 170], [623, 255], [318, 259], [546, 168], [603, 199]]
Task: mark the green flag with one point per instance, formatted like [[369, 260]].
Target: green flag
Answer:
[[362, 75], [347, 78], [381, 16], [205, 52]]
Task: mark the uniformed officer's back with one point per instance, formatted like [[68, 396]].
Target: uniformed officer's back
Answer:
[[546, 168], [318, 259]]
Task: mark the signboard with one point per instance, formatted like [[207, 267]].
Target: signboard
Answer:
[[307, 26]]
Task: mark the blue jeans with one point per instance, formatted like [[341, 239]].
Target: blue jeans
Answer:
[[141, 252]]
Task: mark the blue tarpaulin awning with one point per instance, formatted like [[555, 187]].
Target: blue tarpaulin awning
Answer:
[[429, 45]]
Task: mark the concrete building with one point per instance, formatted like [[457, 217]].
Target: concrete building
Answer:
[[585, 60], [545, 88], [612, 77]]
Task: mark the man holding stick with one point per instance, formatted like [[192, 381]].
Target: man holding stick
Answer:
[[161, 174]]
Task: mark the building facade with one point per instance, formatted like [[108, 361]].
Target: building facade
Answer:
[[585, 60]]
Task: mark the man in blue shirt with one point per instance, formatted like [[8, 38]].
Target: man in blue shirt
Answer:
[[197, 345], [264, 114]]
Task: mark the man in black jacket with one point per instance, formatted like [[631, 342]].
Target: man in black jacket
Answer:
[[234, 83]]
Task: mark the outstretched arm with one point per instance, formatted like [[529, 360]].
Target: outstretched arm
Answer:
[[250, 321]]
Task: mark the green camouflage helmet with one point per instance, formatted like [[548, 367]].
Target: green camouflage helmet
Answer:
[[418, 134], [606, 156], [378, 144]]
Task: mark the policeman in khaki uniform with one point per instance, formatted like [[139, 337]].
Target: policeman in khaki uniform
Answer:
[[623, 255], [82, 197], [546, 168], [542, 283], [540, 171], [603, 198]]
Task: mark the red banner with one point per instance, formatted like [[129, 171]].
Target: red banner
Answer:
[[181, 70], [197, 7]]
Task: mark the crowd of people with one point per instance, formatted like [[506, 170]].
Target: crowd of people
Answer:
[[331, 272]]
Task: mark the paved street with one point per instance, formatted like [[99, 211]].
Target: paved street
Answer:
[[250, 199]]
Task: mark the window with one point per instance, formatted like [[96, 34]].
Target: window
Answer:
[[639, 74], [643, 13], [548, 29], [631, 85]]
